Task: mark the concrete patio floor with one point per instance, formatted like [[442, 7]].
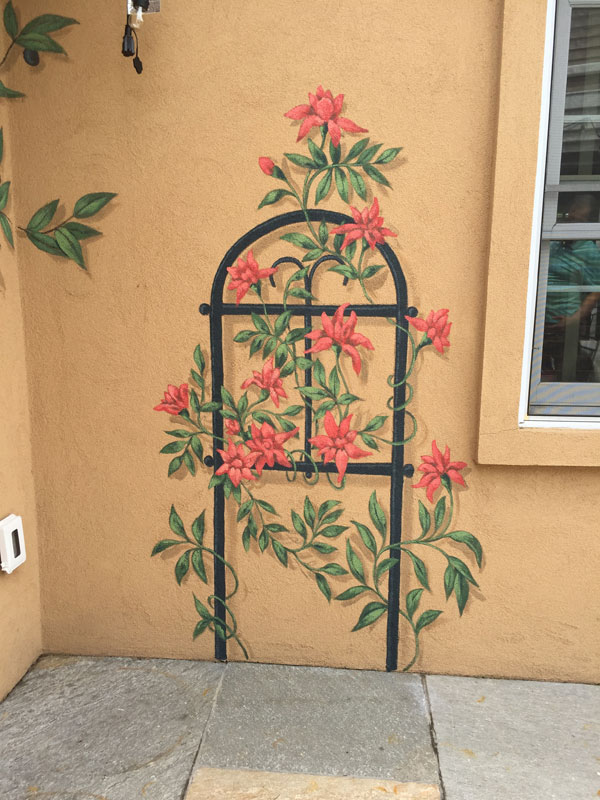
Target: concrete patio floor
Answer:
[[80, 728]]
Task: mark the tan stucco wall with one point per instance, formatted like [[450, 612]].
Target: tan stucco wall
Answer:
[[20, 630], [180, 146]]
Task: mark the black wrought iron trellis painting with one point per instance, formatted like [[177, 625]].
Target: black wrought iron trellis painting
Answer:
[[309, 348]]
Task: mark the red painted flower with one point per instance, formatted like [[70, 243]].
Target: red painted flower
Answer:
[[237, 464], [267, 165], [246, 274], [367, 225], [268, 445], [436, 327], [232, 426], [175, 400], [267, 379], [324, 109], [338, 444], [436, 467], [341, 332]]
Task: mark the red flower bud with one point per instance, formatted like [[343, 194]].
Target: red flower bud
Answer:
[[232, 426], [266, 164]]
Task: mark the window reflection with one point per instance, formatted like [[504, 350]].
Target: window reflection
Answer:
[[572, 320]]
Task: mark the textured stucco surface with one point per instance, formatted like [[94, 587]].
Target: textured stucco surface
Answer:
[[20, 631], [180, 146]]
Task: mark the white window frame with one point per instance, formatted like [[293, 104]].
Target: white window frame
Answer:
[[558, 19]]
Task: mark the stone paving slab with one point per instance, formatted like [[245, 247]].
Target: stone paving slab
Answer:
[[321, 721], [517, 740], [104, 728], [223, 784]]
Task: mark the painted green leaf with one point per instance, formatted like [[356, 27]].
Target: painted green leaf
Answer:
[[293, 411], [173, 447], [326, 507], [439, 512], [200, 628], [464, 537], [335, 151], [346, 398], [461, 567], [43, 216], [10, 93], [198, 527], [163, 545], [357, 149], [323, 233], [1, 143], [321, 547], [176, 524], [334, 381], [210, 407], [39, 41], [252, 527], [81, 231], [282, 322], [347, 270], [319, 373], [257, 343], [371, 270], [302, 293], [351, 250], [375, 174], [197, 447], [227, 398], [182, 566], [366, 536], [368, 154], [244, 510], [426, 618], [449, 577], [461, 590], [318, 155], [174, 465], [246, 539], [47, 23], [323, 187], [298, 524], [275, 527], [354, 562], [216, 480], [370, 614], [70, 246], [198, 565], [10, 20], [334, 569], [352, 592], [259, 323], [6, 228], [243, 336], [314, 392], [299, 239], [309, 512], [199, 380], [280, 552], [341, 182], [91, 204], [199, 359], [287, 425], [300, 160], [358, 184], [304, 363], [202, 609], [327, 405], [263, 540], [412, 601], [331, 531], [420, 569], [376, 423], [267, 507], [323, 585], [377, 515], [388, 155], [273, 197], [424, 518], [384, 566], [331, 515]]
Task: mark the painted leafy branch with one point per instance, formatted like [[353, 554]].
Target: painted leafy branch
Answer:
[[59, 239], [348, 564], [32, 38]]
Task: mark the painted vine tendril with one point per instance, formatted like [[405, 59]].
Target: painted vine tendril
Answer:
[[259, 421]]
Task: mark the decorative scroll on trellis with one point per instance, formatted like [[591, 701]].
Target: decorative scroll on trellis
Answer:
[[299, 410]]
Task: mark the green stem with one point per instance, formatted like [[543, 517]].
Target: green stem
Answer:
[[416, 635], [56, 227], [10, 47]]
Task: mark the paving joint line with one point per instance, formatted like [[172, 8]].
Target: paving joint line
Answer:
[[433, 737], [200, 743]]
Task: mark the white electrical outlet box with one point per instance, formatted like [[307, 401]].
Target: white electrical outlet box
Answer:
[[12, 543]]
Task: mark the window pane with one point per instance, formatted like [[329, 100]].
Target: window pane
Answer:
[[578, 207], [571, 333], [581, 133]]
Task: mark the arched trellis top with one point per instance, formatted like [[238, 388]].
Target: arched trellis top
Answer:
[[394, 468]]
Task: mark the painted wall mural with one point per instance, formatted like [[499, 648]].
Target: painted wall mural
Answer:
[[300, 411], [64, 238]]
